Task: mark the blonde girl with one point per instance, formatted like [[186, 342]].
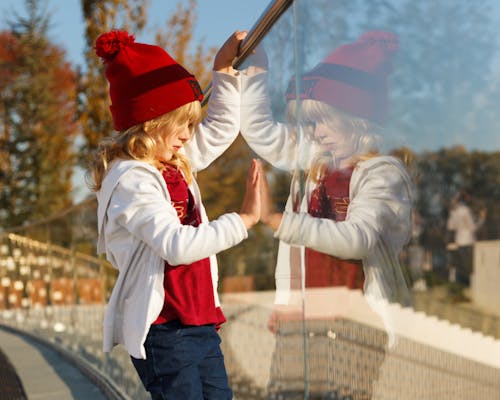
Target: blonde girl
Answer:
[[164, 308]]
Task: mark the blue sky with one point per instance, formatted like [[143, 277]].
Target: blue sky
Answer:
[[217, 19]]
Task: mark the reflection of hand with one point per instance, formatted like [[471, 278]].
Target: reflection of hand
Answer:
[[251, 207], [224, 58], [269, 216], [296, 191], [257, 62], [283, 314], [272, 323]]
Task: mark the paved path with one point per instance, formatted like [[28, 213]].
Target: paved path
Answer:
[[44, 374], [10, 384]]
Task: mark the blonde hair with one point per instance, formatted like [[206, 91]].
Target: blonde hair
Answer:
[[363, 133], [139, 142]]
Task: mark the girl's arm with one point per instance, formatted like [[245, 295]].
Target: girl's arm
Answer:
[[273, 141], [139, 206], [221, 125], [380, 210]]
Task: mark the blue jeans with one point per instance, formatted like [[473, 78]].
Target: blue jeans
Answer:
[[183, 362]]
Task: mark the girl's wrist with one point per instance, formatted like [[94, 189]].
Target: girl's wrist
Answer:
[[273, 220], [248, 220], [226, 70]]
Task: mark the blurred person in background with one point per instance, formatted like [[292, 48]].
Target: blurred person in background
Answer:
[[463, 226]]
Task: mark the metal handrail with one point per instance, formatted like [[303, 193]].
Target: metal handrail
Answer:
[[255, 35]]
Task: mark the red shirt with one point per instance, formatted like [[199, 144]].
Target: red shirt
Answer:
[[189, 295], [330, 199]]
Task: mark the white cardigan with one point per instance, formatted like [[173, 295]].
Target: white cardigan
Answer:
[[139, 228]]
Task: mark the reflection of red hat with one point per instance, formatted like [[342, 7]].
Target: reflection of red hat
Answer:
[[144, 80], [353, 78]]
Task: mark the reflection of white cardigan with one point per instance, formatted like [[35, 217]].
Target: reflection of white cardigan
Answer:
[[377, 226], [378, 221], [139, 228]]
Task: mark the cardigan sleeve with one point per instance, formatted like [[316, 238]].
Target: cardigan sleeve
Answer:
[[138, 205], [380, 210], [275, 141], [221, 126]]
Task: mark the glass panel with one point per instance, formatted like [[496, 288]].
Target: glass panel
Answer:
[[249, 338], [379, 118]]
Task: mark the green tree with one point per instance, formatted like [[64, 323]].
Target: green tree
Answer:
[[38, 90]]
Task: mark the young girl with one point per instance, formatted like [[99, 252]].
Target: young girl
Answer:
[[345, 227], [152, 225]]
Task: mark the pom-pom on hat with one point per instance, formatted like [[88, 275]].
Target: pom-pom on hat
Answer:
[[144, 80], [353, 78]]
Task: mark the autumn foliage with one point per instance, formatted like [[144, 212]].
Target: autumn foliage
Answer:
[[38, 126]]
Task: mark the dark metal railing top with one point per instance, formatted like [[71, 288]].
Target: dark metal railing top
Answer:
[[262, 26]]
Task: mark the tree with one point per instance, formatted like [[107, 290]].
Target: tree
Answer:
[[223, 187], [38, 89], [177, 39], [102, 16], [442, 174], [131, 15]]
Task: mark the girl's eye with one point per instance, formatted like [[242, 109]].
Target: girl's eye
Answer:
[[309, 127]]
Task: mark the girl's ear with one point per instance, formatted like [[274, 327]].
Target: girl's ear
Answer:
[[146, 127]]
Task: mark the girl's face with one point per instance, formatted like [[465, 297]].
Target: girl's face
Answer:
[[335, 137], [172, 142]]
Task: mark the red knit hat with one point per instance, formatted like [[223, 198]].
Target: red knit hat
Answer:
[[353, 78], [144, 80]]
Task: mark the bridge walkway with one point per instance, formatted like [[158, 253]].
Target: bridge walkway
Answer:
[[31, 370]]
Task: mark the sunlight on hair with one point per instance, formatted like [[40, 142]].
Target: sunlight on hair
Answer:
[[139, 143]]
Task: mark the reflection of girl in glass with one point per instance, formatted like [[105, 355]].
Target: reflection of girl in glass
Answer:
[[355, 215]]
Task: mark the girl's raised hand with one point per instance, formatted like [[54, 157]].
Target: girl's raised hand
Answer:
[[224, 58], [250, 209]]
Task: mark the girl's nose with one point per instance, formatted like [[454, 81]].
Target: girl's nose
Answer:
[[185, 135], [320, 134], [319, 131]]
